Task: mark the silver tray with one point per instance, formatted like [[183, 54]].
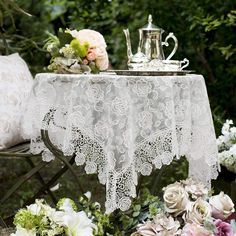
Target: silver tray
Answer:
[[149, 73]]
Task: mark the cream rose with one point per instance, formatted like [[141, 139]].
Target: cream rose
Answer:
[[222, 206], [198, 211], [175, 198]]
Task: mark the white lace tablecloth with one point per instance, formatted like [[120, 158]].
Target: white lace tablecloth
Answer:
[[123, 126]]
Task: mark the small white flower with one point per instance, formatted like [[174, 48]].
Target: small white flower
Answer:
[[23, 232], [47, 156], [56, 187], [233, 150], [50, 47], [227, 146], [88, 194], [66, 205], [34, 209], [226, 126]]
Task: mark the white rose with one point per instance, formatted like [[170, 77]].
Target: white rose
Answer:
[[175, 198], [222, 206], [198, 211]]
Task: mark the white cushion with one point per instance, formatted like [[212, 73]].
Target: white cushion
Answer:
[[15, 85]]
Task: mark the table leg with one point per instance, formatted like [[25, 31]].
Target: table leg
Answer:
[[50, 182], [59, 154]]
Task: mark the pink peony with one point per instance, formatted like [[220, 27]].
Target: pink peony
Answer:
[[85, 62], [91, 56], [223, 228], [94, 38], [195, 230]]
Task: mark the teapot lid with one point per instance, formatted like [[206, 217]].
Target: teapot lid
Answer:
[[150, 26]]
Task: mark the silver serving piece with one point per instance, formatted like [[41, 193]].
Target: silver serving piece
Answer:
[[150, 54]]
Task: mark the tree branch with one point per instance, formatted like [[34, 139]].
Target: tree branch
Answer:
[[206, 65]]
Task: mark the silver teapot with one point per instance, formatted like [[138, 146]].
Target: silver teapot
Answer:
[[150, 46]]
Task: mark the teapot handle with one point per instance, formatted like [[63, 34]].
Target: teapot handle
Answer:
[[186, 62], [171, 35]]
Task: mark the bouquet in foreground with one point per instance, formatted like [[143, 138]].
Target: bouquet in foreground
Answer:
[[187, 209], [75, 51], [68, 219], [227, 146]]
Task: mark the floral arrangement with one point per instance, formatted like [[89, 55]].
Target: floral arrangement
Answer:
[[75, 51], [188, 210], [64, 220], [227, 146]]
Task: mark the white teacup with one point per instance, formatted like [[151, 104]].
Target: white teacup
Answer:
[[175, 65]]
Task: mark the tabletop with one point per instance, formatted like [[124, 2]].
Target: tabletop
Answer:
[[124, 126]]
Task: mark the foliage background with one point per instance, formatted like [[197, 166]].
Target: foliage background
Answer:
[[205, 30]]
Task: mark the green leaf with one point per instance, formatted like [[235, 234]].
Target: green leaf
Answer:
[[137, 207], [64, 38], [93, 67], [136, 213], [209, 226], [80, 50]]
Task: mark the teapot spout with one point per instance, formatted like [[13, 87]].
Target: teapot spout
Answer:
[[128, 44]]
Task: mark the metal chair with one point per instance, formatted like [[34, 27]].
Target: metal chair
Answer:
[[22, 151]]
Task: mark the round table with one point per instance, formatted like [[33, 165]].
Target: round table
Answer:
[[123, 126]]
